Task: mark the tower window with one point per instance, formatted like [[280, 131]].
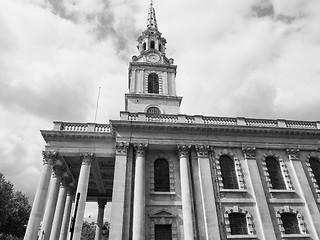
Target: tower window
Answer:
[[163, 232], [144, 47], [160, 47], [153, 111], [153, 83], [275, 174], [161, 176], [228, 172], [315, 166], [238, 224], [290, 223], [152, 45]]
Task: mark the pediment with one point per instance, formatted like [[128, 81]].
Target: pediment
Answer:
[[160, 213]]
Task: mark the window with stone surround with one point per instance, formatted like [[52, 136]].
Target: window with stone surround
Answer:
[[161, 176], [239, 222], [313, 166], [276, 172], [163, 225], [229, 171], [153, 83], [290, 222], [153, 111], [157, 162]]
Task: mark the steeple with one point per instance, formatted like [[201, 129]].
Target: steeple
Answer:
[[152, 87], [152, 21]]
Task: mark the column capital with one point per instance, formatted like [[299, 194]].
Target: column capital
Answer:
[[49, 157], [121, 148], [203, 150], [293, 153], [183, 150], [58, 170], [140, 148], [66, 181], [102, 203], [71, 191], [249, 152], [87, 158]]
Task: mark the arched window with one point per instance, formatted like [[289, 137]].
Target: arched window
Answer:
[[153, 83], [275, 174], [315, 166], [144, 46], [228, 172], [161, 176], [290, 223], [238, 224], [160, 47], [152, 44], [153, 111]]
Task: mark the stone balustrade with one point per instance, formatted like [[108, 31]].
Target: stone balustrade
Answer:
[[197, 119]]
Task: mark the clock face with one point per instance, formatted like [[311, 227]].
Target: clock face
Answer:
[[153, 57]]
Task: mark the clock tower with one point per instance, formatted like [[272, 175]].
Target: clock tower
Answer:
[[152, 87]]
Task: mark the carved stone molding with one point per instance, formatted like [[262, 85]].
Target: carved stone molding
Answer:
[[203, 150], [249, 152], [311, 173], [102, 203], [49, 157], [237, 209], [184, 150], [86, 158], [140, 149], [121, 148], [163, 216], [287, 209], [293, 153]]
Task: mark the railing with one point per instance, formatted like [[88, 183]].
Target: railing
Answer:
[[197, 119], [224, 121], [82, 127]]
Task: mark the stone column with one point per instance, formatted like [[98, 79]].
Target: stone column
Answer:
[[49, 158], [119, 188], [264, 217], [139, 194], [51, 202], [82, 190], [66, 215], [58, 215], [306, 192], [101, 205], [208, 197], [186, 192]]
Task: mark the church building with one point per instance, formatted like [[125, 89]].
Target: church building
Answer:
[[172, 176]]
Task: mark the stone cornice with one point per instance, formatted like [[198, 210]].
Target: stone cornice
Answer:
[[49, 135], [223, 129], [153, 96]]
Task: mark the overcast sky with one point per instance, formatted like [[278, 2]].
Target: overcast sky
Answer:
[[252, 58]]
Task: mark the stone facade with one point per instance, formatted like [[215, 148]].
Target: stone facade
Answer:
[[192, 177]]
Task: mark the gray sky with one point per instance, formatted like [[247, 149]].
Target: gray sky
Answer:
[[252, 58]]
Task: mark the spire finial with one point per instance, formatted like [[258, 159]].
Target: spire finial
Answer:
[[152, 22]]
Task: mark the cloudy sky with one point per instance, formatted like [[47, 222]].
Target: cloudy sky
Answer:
[[252, 58]]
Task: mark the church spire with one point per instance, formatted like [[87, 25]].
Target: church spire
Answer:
[[152, 21]]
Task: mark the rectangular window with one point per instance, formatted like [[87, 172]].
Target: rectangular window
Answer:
[[163, 232]]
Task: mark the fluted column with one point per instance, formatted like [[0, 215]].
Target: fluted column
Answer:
[[211, 221], [139, 194], [82, 190], [66, 215], [57, 220], [51, 202], [186, 192], [38, 205], [101, 206], [119, 191]]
